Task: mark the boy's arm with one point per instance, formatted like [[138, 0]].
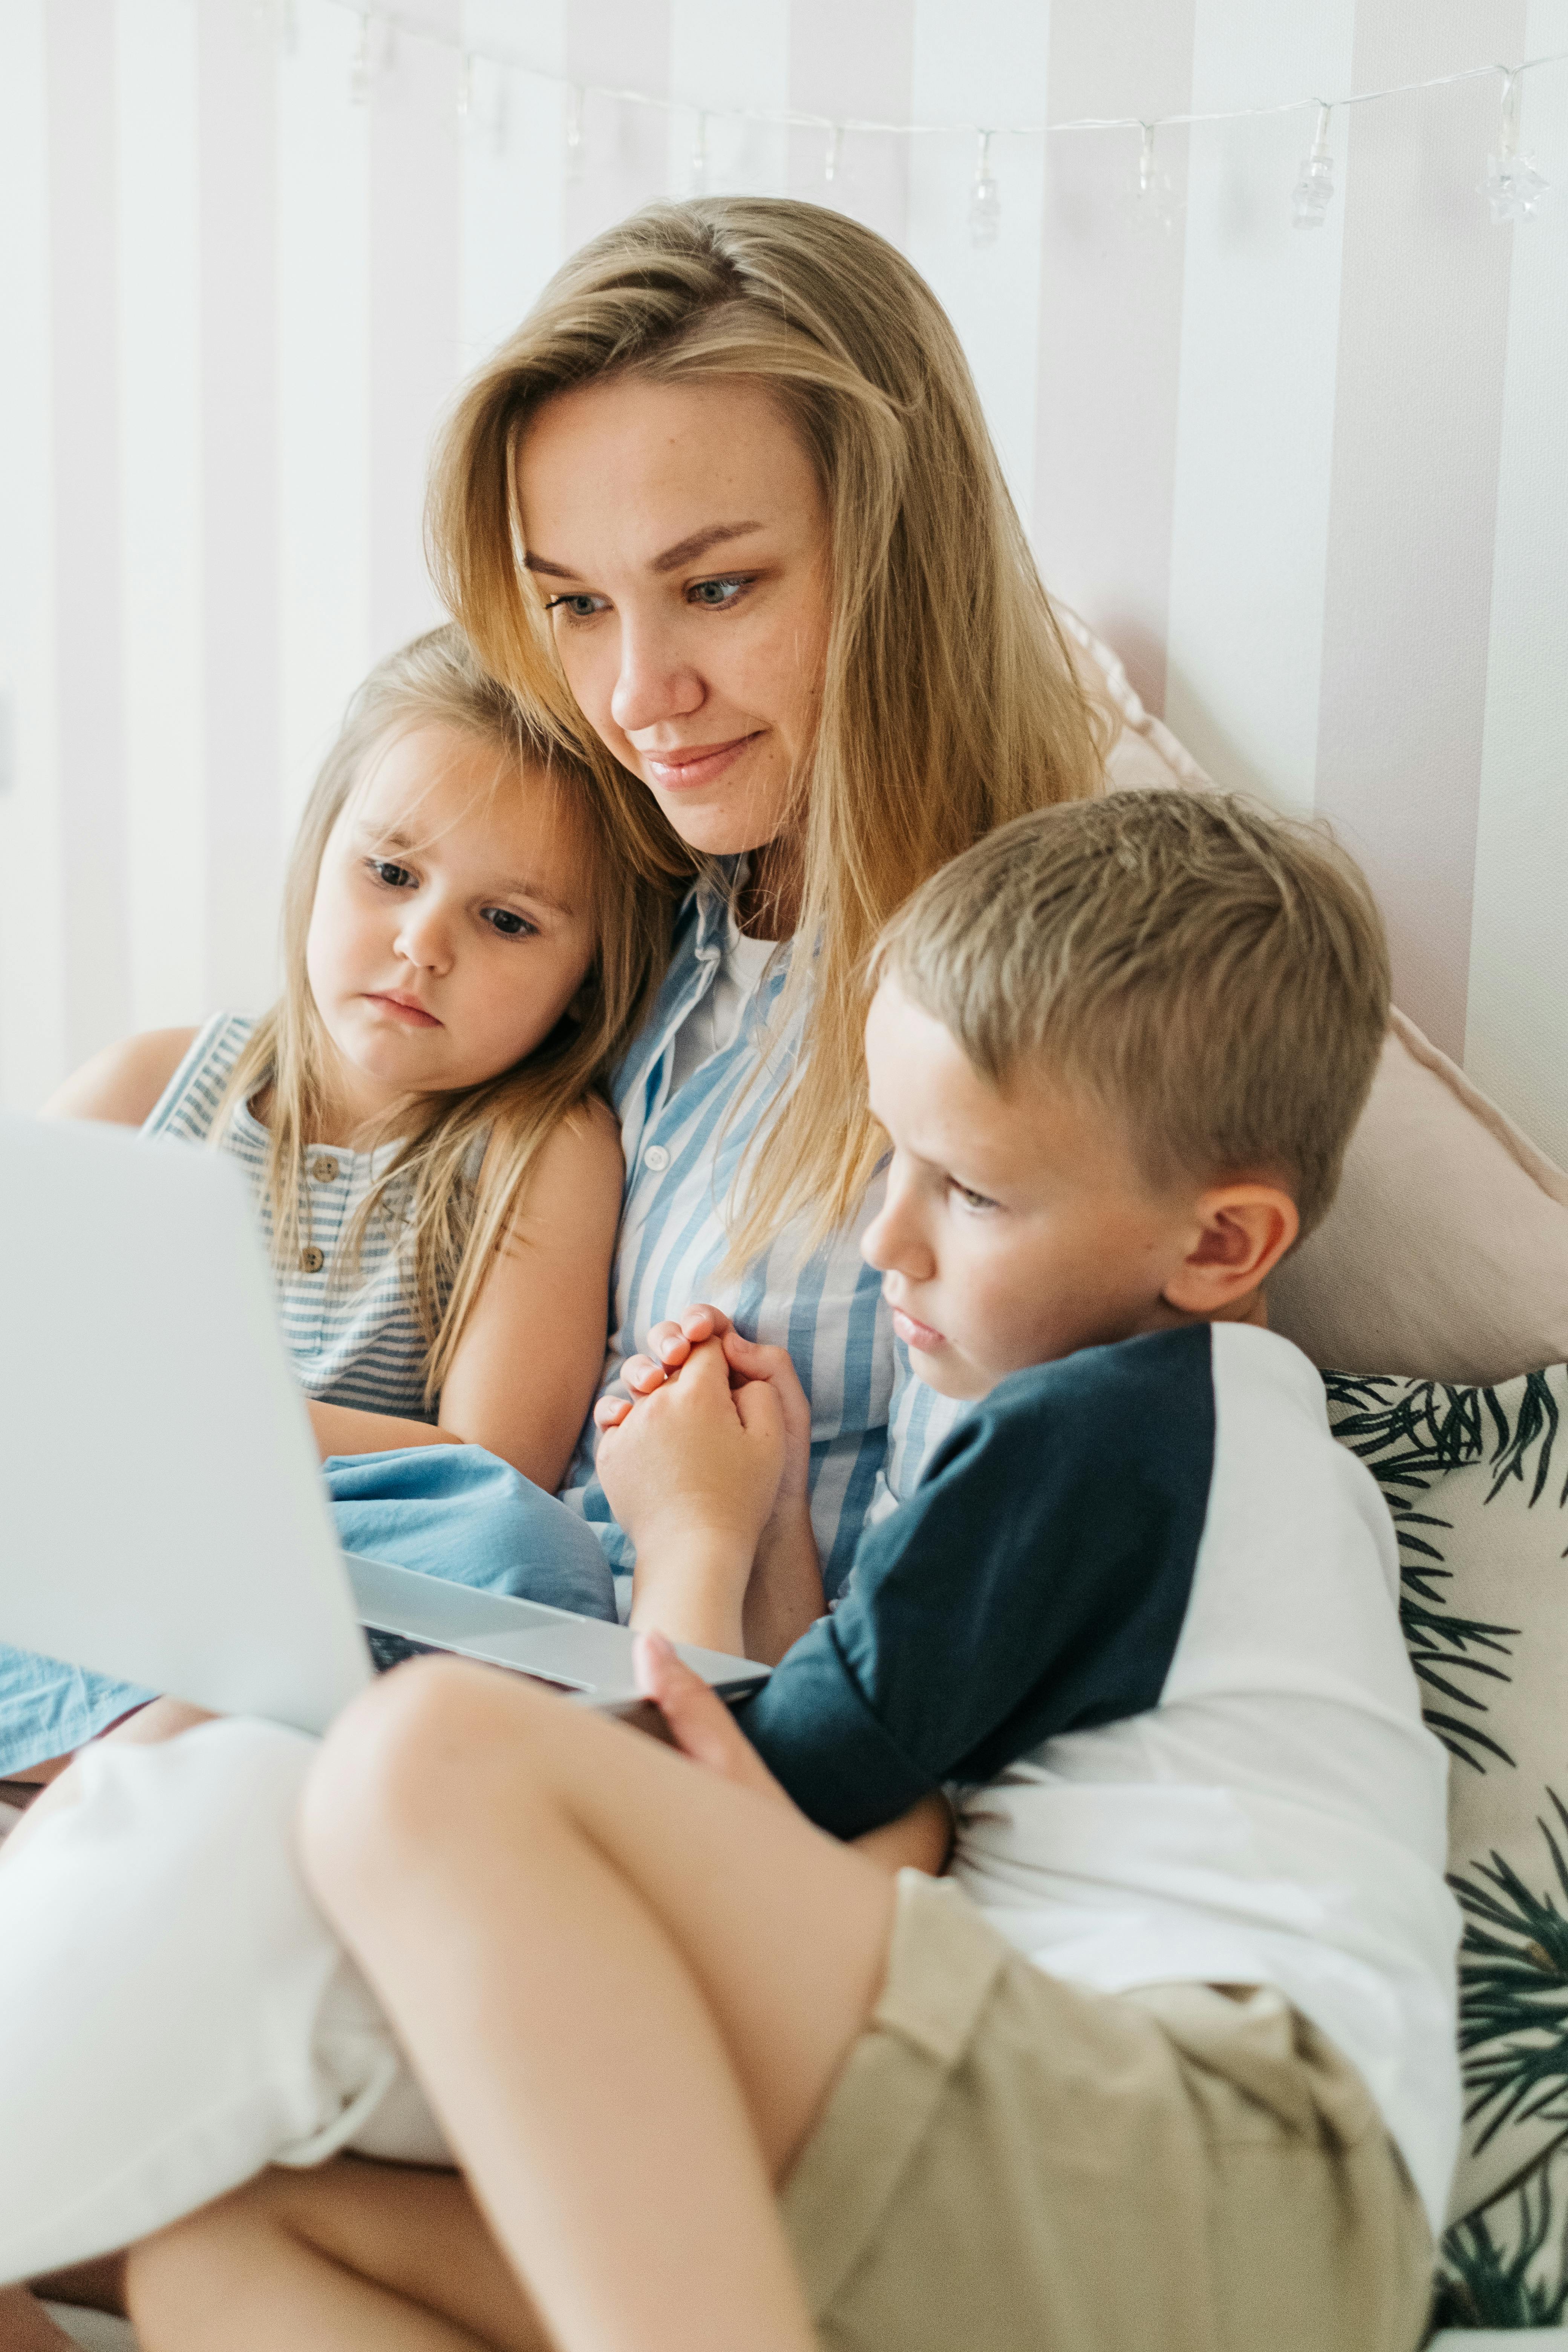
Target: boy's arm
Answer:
[[784, 1593], [1036, 1580], [691, 1473]]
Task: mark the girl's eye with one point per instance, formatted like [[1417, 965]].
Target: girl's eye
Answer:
[[509, 925], [580, 607], [717, 595], [396, 878]]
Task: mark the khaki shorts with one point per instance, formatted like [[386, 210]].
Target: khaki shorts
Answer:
[[1008, 2165]]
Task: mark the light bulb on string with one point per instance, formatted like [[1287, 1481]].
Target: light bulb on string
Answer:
[[984, 198], [574, 133], [1513, 187], [834, 150], [361, 71], [1155, 203], [1314, 191], [700, 158]]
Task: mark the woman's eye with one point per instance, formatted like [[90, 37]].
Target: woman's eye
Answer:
[[577, 608], [396, 878], [509, 925], [716, 594]]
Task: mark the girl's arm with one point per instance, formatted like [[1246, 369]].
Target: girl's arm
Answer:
[[524, 1378], [122, 1084]]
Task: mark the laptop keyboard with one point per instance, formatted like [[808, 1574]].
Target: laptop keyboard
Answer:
[[391, 1649]]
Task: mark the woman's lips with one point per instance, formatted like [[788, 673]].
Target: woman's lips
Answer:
[[915, 1334], [698, 763], [401, 1009]]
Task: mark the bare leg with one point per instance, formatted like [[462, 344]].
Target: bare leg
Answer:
[[355, 2258], [627, 1984], [25, 2326]]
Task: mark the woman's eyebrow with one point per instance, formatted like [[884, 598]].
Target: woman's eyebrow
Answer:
[[683, 551]]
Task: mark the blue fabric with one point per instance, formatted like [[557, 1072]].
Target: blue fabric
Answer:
[[458, 1512], [447, 1510]]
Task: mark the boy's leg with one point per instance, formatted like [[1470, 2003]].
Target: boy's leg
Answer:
[[627, 1984]]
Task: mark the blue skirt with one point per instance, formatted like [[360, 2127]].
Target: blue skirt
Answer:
[[447, 1510]]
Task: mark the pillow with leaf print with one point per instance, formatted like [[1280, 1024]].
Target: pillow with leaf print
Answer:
[[1477, 1479]]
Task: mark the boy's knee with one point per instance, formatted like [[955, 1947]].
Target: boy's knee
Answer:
[[403, 1765]]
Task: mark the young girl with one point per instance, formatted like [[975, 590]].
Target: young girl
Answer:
[[436, 1176]]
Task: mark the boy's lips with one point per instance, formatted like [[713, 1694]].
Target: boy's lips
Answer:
[[916, 1334], [694, 763], [404, 1008]]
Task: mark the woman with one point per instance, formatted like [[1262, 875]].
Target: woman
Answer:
[[772, 585], [725, 514]]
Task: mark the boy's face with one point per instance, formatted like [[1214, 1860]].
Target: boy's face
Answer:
[[1016, 1227]]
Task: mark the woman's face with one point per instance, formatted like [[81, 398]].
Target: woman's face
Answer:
[[678, 539]]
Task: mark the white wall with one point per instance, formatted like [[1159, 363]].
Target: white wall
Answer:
[[1313, 486]]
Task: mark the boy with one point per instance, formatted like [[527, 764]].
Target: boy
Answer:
[[1165, 2079]]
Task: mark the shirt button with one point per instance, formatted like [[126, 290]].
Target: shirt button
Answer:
[[312, 1259], [324, 1170], [657, 1158]]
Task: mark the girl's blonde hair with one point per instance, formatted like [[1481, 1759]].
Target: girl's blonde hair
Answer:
[[457, 1224], [949, 702]]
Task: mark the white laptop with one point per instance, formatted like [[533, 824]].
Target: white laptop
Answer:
[[162, 1514]]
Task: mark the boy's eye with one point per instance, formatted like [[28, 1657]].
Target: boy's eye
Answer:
[[579, 607], [396, 878], [509, 925], [970, 1199]]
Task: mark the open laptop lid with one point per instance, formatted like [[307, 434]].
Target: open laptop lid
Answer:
[[161, 1513]]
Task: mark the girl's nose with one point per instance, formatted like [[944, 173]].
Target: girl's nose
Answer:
[[425, 936], [655, 682]]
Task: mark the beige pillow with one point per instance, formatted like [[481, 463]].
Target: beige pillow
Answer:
[[1447, 1251], [1476, 1480]]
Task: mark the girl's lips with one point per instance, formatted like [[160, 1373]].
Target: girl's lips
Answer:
[[413, 1014], [678, 771], [917, 1335]]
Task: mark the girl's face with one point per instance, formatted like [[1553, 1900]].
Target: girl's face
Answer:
[[451, 927], [678, 538]]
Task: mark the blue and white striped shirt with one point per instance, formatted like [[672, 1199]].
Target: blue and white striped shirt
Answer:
[[351, 1331], [683, 1149]]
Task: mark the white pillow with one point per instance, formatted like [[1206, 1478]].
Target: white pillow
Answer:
[[1445, 1253]]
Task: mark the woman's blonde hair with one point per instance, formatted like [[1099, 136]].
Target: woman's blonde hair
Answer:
[[457, 1224], [949, 701]]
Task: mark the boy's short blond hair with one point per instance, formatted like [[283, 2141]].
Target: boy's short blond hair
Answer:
[[1216, 976]]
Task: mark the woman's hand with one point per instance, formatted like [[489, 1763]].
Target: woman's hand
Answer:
[[692, 1472]]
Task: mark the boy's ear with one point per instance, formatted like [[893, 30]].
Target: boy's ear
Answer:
[[1243, 1232]]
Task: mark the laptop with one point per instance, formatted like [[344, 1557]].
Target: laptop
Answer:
[[163, 1517]]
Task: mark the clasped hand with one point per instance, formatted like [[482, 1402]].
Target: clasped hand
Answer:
[[705, 1465]]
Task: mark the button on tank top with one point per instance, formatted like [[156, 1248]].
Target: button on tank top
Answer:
[[351, 1334]]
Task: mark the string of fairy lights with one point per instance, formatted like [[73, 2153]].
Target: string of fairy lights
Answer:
[[1513, 185]]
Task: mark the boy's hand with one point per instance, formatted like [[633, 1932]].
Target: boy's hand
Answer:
[[673, 1344], [691, 1473]]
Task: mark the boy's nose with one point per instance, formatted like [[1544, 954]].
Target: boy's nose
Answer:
[[893, 1243]]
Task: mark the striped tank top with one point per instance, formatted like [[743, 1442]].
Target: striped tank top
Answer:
[[352, 1336]]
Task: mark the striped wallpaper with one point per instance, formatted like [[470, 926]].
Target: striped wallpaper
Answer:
[[1314, 487]]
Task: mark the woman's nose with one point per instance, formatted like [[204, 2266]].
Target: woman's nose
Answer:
[[655, 682]]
